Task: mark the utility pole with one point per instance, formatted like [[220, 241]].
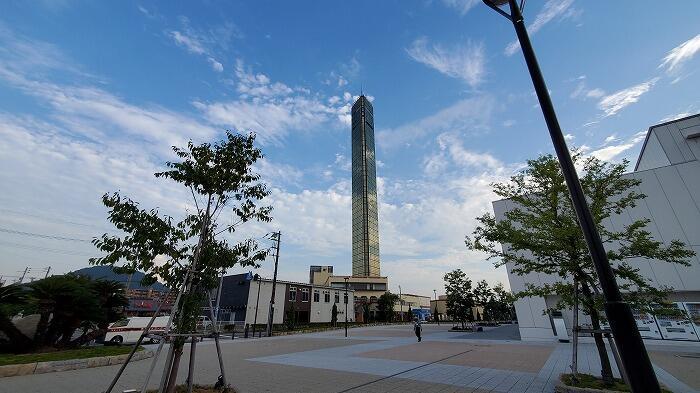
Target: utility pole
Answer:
[[218, 294], [48, 269], [26, 269], [277, 237], [257, 302]]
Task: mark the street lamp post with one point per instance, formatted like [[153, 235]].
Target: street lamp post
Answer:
[[346, 306], [400, 303], [635, 359], [437, 315]]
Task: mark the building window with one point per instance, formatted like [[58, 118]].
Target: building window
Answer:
[[345, 298], [293, 294], [317, 296], [305, 294], [327, 297], [337, 298]]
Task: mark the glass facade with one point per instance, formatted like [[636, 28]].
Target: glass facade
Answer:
[[365, 231]]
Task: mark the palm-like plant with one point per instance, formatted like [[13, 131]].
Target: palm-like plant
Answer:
[[11, 298]]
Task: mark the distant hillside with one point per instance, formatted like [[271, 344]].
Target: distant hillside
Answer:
[[106, 272]]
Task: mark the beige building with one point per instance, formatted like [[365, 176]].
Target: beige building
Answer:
[[367, 290], [413, 302], [441, 304]]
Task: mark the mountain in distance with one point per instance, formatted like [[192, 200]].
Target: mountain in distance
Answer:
[[106, 273]]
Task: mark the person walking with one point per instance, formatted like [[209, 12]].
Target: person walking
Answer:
[[417, 328]]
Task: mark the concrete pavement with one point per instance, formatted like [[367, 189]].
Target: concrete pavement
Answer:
[[379, 359]]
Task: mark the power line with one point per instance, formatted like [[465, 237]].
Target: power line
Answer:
[[56, 219], [53, 237], [45, 249]]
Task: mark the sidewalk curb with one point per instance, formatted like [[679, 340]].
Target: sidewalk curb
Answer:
[[14, 370]]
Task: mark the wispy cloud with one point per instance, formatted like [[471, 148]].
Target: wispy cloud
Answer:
[[612, 150], [552, 9], [465, 61], [274, 109], [204, 43], [678, 56], [461, 6], [615, 102], [468, 115], [582, 91]]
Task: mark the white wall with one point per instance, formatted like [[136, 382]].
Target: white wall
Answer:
[[322, 311], [264, 303]]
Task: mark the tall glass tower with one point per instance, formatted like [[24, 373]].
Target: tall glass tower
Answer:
[[365, 232]]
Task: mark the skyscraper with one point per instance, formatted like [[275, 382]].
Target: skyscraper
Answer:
[[365, 231]]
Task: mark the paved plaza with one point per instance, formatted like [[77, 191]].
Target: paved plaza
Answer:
[[381, 359]]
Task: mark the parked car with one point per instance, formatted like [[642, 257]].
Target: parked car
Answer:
[[203, 323], [129, 330]]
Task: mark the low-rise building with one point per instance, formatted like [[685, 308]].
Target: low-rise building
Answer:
[[245, 298], [418, 304]]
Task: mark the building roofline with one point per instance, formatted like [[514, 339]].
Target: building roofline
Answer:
[[413, 294], [646, 139]]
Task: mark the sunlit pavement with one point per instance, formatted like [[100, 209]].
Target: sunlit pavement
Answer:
[[381, 359]]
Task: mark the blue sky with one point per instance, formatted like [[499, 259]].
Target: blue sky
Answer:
[[93, 94]]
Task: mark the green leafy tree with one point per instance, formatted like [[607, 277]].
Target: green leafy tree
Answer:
[[501, 303], [193, 251], [460, 298], [482, 295], [542, 235], [290, 319], [385, 306]]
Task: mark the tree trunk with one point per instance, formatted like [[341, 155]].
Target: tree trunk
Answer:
[[172, 378], [41, 327], [606, 369]]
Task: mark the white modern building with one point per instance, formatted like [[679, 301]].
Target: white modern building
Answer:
[[669, 170]]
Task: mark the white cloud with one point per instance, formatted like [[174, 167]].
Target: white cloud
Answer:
[[569, 137], [678, 56], [551, 10], [610, 152], [205, 43], [611, 138], [595, 93], [465, 61], [218, 67], [273, 109], [190, 43], [582, 91], [471, 115], [461, 6], [451, 143], [615, 102]]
